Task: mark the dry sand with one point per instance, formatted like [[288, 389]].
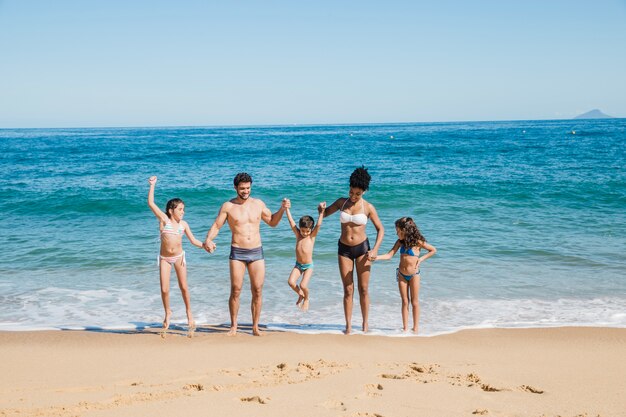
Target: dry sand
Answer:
[[502, 372]]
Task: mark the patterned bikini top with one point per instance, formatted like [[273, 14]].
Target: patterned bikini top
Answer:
[[168, 229]]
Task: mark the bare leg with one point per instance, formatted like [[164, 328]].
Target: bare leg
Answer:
[[237, 270], [363, 267], [346, 270], [165, 270], [256, 270], [181, 273], [304, 286], [403, 286], [414, 289], [293, 278]]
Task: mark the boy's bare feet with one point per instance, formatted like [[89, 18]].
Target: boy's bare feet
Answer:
[[305, 304], [300, 296], [256, 332], [232, 331]]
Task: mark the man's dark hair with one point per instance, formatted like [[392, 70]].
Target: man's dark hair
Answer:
[[242, 177]]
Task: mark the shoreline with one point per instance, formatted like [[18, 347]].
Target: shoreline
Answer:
[[299, 329], [560, 371]]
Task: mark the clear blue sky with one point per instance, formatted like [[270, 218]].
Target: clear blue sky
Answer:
[[166, 63]]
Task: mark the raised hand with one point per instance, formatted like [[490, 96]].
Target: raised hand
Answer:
[[152, 180]]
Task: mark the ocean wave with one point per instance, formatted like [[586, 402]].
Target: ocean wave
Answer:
[[62, 308]]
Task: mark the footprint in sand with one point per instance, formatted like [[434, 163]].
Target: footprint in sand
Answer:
[[423, 369], [392, 376], [472, 378], [194, 387], [489, 388], [373, 390], [416, 372], [480, 412], [334, 405], [533, 390], [255, 399]]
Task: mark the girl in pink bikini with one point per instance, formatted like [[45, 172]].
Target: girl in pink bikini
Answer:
[[172, 227]]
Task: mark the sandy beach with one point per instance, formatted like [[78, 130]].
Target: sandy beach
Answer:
[[495, 372]]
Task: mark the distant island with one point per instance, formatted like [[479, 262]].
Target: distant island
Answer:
[[594, 114]]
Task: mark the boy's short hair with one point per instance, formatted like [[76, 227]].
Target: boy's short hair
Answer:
[[306, 221], [242, 177]]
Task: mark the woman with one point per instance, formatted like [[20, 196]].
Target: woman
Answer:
[[354, 247]]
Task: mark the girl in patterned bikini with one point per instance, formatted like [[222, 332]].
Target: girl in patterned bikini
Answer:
[[410, 242], [172, 227]]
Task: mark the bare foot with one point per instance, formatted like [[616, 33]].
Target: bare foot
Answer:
[[232, 331], [300, 298], [305, 304], [191, 330], [256, 332], [166, 321], [348, 330], [414, 330], [365, 328]]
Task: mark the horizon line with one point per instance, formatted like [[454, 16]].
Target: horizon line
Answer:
[[267, 125]]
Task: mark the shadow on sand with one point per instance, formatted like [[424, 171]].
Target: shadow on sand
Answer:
[[156, 329]]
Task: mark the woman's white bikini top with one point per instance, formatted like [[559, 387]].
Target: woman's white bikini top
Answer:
[[358, 219]]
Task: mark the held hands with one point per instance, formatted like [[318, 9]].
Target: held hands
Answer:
[[321, 207], [286, 204], [372, 255], [209, 246], [152, 180]]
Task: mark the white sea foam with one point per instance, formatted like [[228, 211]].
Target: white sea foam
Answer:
[[123, 309]]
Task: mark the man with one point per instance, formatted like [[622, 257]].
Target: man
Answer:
[[244, 215]]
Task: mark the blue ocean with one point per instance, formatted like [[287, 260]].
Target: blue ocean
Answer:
[[529, 219]]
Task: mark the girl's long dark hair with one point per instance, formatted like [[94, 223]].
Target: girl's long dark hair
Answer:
[[172, 204], [412, 235]]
